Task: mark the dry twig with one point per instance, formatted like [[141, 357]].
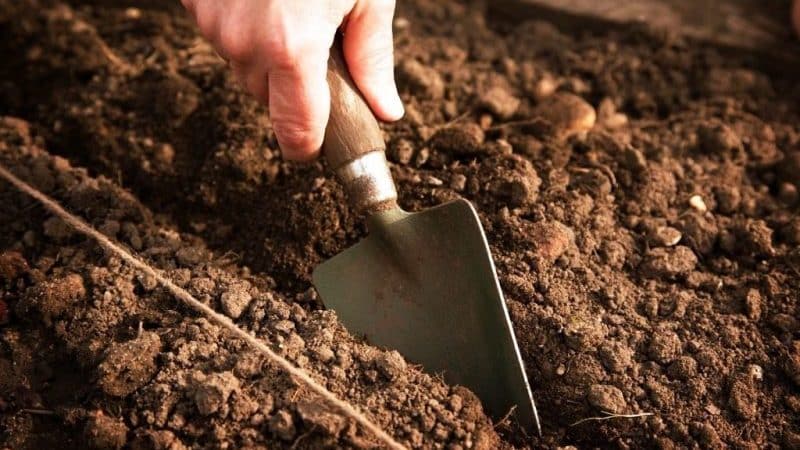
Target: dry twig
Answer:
[[609, 415]]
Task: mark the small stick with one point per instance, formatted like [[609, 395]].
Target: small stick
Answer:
[[505, 418], [184, 295], [38, 412], [608, 416]]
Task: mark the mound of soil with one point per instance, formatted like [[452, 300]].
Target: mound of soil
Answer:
[[639, 191]]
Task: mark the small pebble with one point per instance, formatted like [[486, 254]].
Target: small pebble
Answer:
[[133, 13], [697, 203], [666, 236], [756, 372], [401, 23]]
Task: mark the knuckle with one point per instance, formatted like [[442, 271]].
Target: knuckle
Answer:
[[297, 137], [289, 47], [235, 43], [287, 51]]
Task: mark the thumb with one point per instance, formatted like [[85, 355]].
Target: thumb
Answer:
[[369, 52]]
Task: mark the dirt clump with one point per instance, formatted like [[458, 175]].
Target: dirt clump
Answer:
[[129, 365], [106, 433]]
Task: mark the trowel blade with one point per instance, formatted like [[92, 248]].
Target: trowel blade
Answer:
[[426, 286]]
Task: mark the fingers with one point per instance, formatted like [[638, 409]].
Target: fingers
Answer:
[[299, 105], [369, 52]]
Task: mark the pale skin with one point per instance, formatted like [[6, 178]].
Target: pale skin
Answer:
[[278, 49]]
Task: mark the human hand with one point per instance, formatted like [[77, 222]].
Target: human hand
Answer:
[[279, 50]]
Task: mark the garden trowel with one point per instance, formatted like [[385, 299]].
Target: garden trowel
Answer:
[[422, 283]]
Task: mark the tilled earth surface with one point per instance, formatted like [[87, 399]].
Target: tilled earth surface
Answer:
[[640, 193]]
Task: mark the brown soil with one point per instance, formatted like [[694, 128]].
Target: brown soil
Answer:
[[639, 191]]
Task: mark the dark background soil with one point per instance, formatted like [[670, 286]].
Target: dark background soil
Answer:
[[639, 191]]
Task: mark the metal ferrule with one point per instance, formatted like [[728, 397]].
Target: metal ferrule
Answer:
[[368, 182]]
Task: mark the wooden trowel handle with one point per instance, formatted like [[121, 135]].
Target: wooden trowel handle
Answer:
[[354, 144], [352, 128]]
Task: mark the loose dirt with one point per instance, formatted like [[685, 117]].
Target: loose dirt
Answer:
[[639, 191]]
